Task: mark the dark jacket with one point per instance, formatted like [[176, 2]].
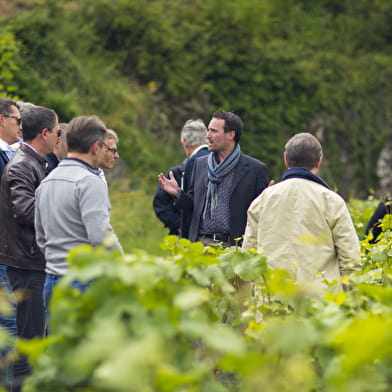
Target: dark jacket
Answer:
[[250, 179], [3, 161], [163, 202], [373, 227], [53, 162], [186, 216], [189, 166], [21, 178]]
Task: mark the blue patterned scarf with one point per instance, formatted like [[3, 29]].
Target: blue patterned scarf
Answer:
[[216, 171]]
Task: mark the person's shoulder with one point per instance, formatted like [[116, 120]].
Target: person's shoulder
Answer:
[[180, 167], [203, 151], [3, 155], [22, 160], [322, 191], [177, 170], [253, 161], [335, 196], [30, 159], [91, 182], [201, 159]]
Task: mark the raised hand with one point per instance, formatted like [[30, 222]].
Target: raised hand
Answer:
[[169, 185]]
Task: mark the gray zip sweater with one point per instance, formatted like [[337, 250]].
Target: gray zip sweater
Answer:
[[72, 208]]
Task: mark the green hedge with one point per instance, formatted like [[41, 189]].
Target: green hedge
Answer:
[[284, 66]]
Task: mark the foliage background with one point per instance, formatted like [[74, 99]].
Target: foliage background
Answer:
[[187, 322], [145, 67]]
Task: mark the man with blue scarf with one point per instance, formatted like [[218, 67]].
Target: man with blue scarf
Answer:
[[300, 223], [223, 185]]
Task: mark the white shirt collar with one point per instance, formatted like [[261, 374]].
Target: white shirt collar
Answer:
[[198, 149], [3, 145]]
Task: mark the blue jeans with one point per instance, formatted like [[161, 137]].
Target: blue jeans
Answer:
[[50, 282], [7, 322], [30, 314]]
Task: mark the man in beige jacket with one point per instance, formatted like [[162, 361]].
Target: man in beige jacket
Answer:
[[301, 224]]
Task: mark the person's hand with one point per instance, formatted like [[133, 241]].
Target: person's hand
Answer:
[[169, 185], [272, 182]]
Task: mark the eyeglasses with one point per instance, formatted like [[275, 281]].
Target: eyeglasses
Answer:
[[114, 151], [18, 119]]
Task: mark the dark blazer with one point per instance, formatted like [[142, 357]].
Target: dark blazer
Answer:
[[3, 161], [189, 166], [250, 179], [186, 216]]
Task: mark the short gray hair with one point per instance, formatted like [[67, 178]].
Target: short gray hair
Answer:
[[194, 132], [63, 128], [25, 107], [111, 134], [303, 150]]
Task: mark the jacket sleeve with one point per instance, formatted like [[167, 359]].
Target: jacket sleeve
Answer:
[[165, 211], [22, 188], [262, 179], [346, 240], [373, 225], [163, 203], [95, 212], [250, 236], [39, 232], [185, 200]]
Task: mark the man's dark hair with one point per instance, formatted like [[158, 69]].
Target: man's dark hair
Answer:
[[6, 105], [232, 123], [37, 119], [83, 131], [303, 150]]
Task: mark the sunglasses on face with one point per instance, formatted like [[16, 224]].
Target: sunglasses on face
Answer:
[[58, 132], [18, 119]]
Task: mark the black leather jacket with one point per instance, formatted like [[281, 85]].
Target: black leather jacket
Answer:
[[20, 179]]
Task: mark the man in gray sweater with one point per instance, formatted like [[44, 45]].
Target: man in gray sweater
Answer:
[[72, 203]]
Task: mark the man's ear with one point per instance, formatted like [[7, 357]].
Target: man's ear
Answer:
[[44, 132], [231, 135], [285, 160], [318, 164], [95, 147]]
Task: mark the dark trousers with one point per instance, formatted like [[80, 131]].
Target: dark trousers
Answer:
[[30, 314]]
